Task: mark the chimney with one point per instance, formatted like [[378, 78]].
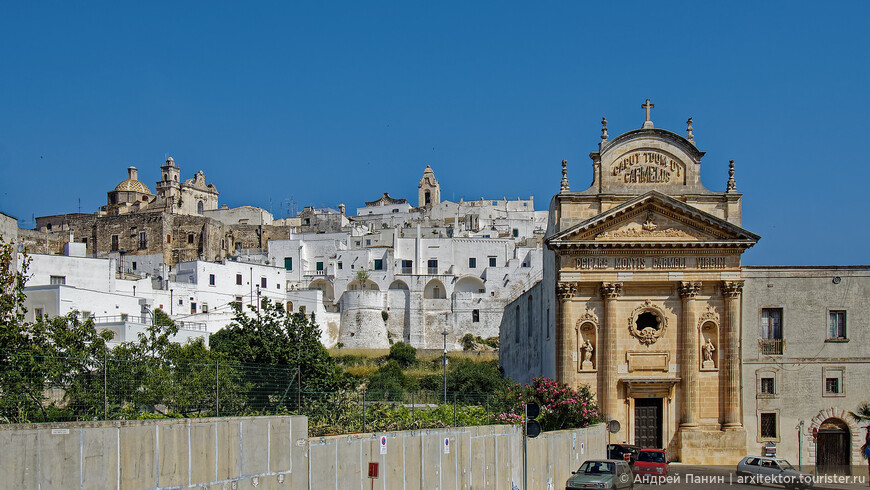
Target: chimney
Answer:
[[132, 173]]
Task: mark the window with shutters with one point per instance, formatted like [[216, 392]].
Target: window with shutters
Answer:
[[837, 325]]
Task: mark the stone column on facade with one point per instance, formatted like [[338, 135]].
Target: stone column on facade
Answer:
[[689, 357], [564, 347], [731, 291], [607, 389]]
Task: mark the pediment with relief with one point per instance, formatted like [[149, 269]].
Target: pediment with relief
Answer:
[[653, 218], [649, 226]]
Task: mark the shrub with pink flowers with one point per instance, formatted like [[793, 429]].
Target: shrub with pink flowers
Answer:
[[562, 407]]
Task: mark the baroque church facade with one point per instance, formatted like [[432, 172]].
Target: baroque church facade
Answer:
[[643, 300]]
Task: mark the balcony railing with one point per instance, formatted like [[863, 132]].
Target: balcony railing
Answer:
[[770, 347]]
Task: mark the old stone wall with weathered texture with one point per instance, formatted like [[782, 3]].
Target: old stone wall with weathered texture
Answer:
[[177, 238]]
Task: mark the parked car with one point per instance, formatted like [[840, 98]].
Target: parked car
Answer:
[[762, 470], [619, 451], [602, 473], [653, 462]]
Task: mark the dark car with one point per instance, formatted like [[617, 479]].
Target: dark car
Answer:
[[625, 452]]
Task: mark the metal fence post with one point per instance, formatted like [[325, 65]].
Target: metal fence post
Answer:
[[105, 386], [217, 398]]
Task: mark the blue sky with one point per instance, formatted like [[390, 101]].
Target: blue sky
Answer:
[[329, 102]]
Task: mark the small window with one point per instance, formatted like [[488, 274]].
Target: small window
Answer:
[[238, 300], [339, 265], [395, 210], [192, 308], [768, 386], [210, 280], [433, 266], [263, 282], [238, 279], [57, 280], [357, 243], [134, 265], [837, 324], [143, 240], [168, 238], [516, 232], [204, 308], [833, 381], [492, 261], [768, 425], [289, 307], [38, 313], [771, 323], [379, 264], [319, 266], [288, 263], [472, 263], [180, 302], [475, 316], [114, 243], [190, 238], [368, 242]]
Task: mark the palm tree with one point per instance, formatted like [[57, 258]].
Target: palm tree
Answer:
[[863, 415]]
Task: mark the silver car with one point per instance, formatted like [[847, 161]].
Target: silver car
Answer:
[[602, 473], [760, 470]]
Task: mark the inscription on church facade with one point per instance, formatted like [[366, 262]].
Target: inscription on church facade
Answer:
[[647, 167], [650, 263]]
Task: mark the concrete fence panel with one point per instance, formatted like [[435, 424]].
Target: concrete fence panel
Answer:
[[276, 453]]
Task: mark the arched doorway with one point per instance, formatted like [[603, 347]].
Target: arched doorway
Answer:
[[833, 448]]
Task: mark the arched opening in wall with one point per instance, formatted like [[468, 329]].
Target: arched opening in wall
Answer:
[[834, 448], [435, 290], [427, 198], [587, 342], [709, 341], [367, 284], [399, 285], [469, 285], [328, 291], [200, 207]]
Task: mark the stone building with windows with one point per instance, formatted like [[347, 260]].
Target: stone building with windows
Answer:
[[644, 299]]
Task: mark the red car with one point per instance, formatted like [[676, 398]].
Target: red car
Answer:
[[652, 462]]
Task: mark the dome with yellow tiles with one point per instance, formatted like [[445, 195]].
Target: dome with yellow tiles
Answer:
[[131, 184]]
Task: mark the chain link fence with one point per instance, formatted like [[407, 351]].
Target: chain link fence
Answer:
[[61, 389]]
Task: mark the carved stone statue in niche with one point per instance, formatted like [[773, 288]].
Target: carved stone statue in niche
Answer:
[[587, 356], [708, 355]]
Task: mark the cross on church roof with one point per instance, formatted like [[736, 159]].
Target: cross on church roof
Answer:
[[648, 123]]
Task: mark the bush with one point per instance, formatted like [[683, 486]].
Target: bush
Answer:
[[389, 381], [562, 407], [403, 354]]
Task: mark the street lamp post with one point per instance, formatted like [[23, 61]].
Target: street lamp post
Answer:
[[444, 361]]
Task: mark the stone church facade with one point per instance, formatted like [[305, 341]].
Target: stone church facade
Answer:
[[643, 300]]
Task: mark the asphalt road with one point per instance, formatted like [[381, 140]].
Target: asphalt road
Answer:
[[722, 477]]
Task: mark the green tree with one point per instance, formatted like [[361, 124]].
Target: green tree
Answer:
[[276, 343], [403, 354], [863, 415], [390, 383]]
